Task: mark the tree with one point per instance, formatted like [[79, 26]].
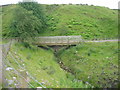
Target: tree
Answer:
[[37, 10], [25, 26], [29, 21]]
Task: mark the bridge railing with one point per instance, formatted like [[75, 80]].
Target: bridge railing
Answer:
[[59, 40]]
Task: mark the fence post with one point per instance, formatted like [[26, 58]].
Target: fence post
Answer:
[[23, 80]]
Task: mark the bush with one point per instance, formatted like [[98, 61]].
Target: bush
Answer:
[[37, 10], [28, 22], [69, 26], [25, 25]]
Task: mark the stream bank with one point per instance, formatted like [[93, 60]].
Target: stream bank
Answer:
[[57, 50]]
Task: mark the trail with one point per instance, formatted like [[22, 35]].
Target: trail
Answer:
[[114, 40]]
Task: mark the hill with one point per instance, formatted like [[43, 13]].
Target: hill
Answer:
[[41, 64], [92, 22], [95, 63], [85, 65]]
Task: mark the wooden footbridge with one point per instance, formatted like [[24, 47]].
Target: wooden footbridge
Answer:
[[58, 40]]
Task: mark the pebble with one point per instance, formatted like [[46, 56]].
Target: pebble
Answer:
[[10, 82], [9, 68], [27, 73], [14, 78], [87, 82], [42, 82]]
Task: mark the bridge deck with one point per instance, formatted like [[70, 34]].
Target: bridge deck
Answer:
[[59, 40]]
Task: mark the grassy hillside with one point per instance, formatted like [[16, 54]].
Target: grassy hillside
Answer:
[[7, 18], [42, 65], [90, 65], [95, 63], [92, 22], [85, 65], [0, 23], [89, 21]]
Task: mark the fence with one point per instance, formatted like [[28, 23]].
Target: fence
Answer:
[[15, 77], [19, 77]]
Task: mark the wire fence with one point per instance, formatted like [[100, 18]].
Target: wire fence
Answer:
[[20, 66], [18, 73], [15, 77]]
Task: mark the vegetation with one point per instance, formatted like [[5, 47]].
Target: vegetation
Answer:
[[86, 65], [94, 63], [42, 65], [27, 23], [37, 11], [92, 22], [0, 22], [90, 64], [119, 22]]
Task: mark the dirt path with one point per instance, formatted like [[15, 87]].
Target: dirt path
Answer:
[[116, 40]]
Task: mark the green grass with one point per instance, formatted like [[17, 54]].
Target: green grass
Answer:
[[7, 17], [96, 63], [92, 65], [0, 23], [43, 66], [92, 22]]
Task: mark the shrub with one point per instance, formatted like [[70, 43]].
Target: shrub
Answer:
[[37, 10], [51, 70], [69, 26], [88, 25], [53, 28], [25, 25], [52, 18]]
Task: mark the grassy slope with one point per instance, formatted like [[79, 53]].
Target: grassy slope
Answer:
[[0, 23], [88, 21], [7, 17], [42, 65], [96, 63]]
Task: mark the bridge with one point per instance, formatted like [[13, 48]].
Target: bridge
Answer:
[[58, 40]]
